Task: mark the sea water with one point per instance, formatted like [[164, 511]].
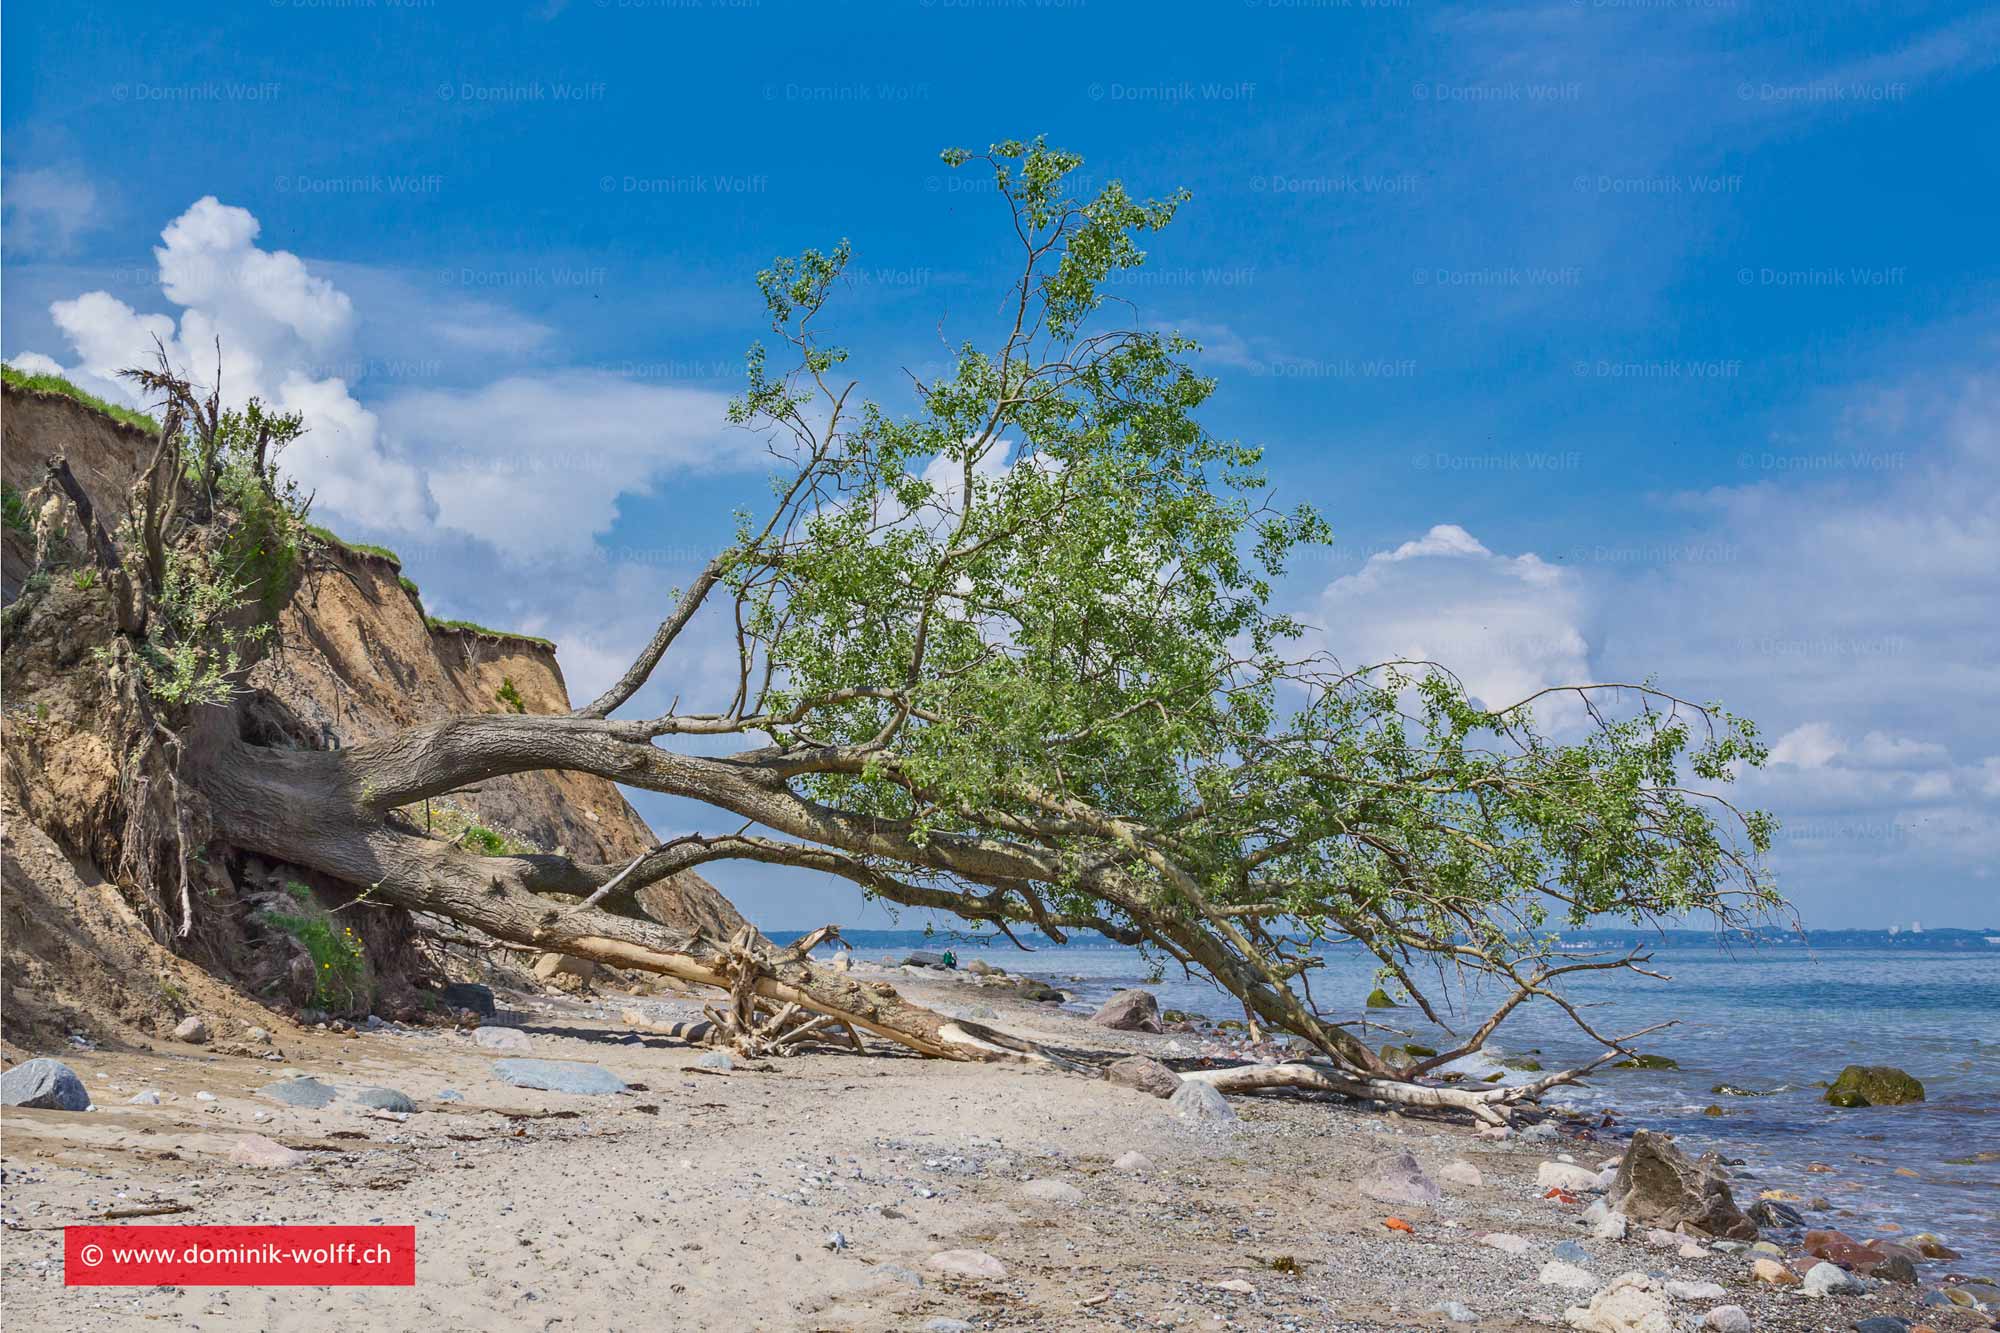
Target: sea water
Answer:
[[1779, 1021]]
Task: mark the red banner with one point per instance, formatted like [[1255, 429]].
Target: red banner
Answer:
[[240, 1256]]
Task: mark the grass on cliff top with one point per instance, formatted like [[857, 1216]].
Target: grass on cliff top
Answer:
[[474, 627], [365, 548], [21, 379]]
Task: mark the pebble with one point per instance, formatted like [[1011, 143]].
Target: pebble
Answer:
[[1824, 1279], [715, 1062], [1696, 1291], [150, 1097], [1506, 1242], [451, 1095], [558, 1076], [1235, 1284], [191, 1030], [1456, 1311], [909, 1277], [1773, 1273], [1571, 1252], [205, 1096], [1692, 1251], [944, 1325], [1726, 1319], [1052, 1191], [1556, 1273], [1882, 1323], [1133, 1161], [835, 1241], [968, 1263], [1662, 1240], [1545, 1132], [1611, 1226]]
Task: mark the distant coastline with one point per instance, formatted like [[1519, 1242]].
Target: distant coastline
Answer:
[[1948, 938]]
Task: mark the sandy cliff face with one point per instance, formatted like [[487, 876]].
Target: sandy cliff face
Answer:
[[355, 659]]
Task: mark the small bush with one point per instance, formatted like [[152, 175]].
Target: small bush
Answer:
[[16, 507], [340, 965], [486, 841], [510, 696]]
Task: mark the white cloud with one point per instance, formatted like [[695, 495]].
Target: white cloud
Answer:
[[1813, 745], [34, 363], [1506, 625], [272, 320], [47, 209], [535, 463]]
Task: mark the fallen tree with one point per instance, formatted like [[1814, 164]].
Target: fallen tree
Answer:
[[1012, 656]]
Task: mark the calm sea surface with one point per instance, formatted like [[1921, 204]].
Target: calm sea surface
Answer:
[[1774, 1020]]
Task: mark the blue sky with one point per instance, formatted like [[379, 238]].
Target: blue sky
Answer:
[[1613, 338]]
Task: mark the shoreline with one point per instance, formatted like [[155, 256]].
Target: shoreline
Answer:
[[815, 1195]]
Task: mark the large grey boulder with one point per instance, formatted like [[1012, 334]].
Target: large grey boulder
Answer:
[[1147, 1075], [306, 1093], [385, 1099], [470, 995], [558, 1076], [923, 958], [506, 1041], [44, 1085], [1200, 1103], [1129, 1011], [1658, 1185]]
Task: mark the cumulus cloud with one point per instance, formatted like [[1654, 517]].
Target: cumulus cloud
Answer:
[[273, 320], [47, 209], [536, 463], [1847, 608], [1506, 625]]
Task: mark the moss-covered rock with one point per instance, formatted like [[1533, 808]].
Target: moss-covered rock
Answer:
[[1873, 1085], [1379, 999], [1524, 1064], [1648, 1062]]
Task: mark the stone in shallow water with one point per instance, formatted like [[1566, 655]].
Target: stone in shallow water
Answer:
[[385, 1099], [558, 1076], [44, 1085], [307, 1093], [1873, 1085]]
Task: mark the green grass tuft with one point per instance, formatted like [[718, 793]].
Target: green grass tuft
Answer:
[[16, 507], [473, 627], [365, 548], [20, 379]]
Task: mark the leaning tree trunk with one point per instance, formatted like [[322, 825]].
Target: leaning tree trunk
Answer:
[[301, 807]]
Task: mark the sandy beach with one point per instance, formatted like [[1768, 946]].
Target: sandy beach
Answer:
[[815, 1192]]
